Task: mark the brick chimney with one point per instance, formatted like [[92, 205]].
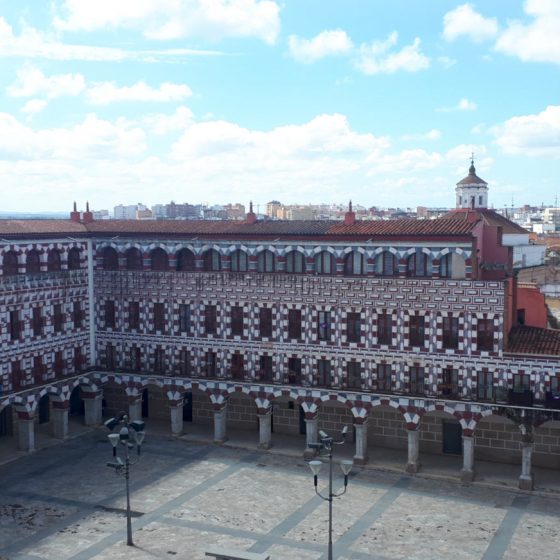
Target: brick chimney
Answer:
[[350, 216], [88, 216], [75, 215], [251, 216]]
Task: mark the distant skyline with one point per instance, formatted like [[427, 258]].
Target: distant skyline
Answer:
[[304, 101]]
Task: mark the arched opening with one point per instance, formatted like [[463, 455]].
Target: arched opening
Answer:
[[212, 261], [266, 261], [33, 262], [386, 264], [239, 261], [325, 263], [387, 436], [44, 410], [355, 264], [242, 413], [332, 416], [295, 262], [417, 265], [110, 259], [10, 264], [186, 261], [492, 429], [76, 408], [159, 259], [453, 266], [53, 260], [146, 403], [6, 422], [201, 411], [74, 259], [445, 266], [441, 434], [134, 260]]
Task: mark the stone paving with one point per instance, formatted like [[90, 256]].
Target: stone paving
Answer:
[[63, 503]]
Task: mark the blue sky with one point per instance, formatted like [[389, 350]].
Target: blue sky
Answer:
[[304, 101]]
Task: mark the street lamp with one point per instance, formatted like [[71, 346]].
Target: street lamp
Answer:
[[325, 449], [123, 467]]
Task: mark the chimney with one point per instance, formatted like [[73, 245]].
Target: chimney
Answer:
[[88, 216], [75, 215], [251, 216], [350, 216]]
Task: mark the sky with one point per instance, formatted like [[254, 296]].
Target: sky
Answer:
[[302, 101]]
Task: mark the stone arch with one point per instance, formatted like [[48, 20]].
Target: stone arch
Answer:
[[33, 262], [295, 261], [239, 260], [266, 261], [109, 258], [211, 260], [10, 264], [134, 260], [74, 258], [325, 262], [159, 259], [54, 260], [186, 261]]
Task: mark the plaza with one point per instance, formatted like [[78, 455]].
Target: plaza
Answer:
[[63, 502]]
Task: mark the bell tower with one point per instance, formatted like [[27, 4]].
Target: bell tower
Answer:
[[472, 191]]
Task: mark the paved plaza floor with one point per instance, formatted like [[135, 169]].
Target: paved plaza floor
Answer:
[[62, 502]]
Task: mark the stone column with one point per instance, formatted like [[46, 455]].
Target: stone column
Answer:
[[413, 464], [361, 455], [92, 404], [135, 408], [310, 436], [176, 411], [526, 478], [265, 429], [467, 472], [59, 414], [220, 424], [26, 433]]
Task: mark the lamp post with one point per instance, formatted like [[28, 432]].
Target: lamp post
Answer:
[[325, 449], [123, 467]]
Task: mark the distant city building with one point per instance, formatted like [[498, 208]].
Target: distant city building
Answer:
[[272, 208], [128, 212]]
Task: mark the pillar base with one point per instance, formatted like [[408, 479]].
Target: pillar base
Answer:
[[525, 482], [220, 441], [264, 446], [309, 454], [412, 468], [467, 475], [360, 460]]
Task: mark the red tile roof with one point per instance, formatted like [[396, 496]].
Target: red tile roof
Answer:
[[384, 228], [35, 228], [487, 215], [534, 341]]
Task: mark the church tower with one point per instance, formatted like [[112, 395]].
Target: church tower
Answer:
[[472, 191]]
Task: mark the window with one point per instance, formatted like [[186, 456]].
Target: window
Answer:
[[237, 367], [386, 264], [384, 378], [384, 329], [109, 314], [159, 317], [485, 335], [33, 263], [110, 357], [58, 318], [211, 364], [37, 321], [159, 259], [17, 375], [265, 371], [58, 363], [294, 323], [135, 358], [324, 373], [212, 261], [53, 260], [184, 318], [78, 358], [210, 319], [294, 371], [266, 261], [354, 371], [450, 383], [353, 327], [265, 322], [159, 359], [110, 259], [521, 382], [485, 385], [416, 333], [237, 320], [185, 261], [417, 264], [15, 325], [77, 316], [10, 264], [416, 380], [38, 369], [555, 385], [450, 338], [184, 363], [74, 259], [445, 267], [295, 262], [133, 315], [239, 261], [324, 325], [355, 264], [134, 260], [324, 263]]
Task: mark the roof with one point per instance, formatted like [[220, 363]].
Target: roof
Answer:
[[472, 178], [534, 341], [487, 215], [34, 228]]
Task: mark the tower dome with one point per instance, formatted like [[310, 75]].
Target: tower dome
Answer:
[[472, 191]]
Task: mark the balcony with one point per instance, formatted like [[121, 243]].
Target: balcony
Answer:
[[520, 397]]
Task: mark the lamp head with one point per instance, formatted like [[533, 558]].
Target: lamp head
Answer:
[[123, 433], [344, 431], [139, 436], [346, 466], [323, 435], [111, 423], [315, 466], [137, 425], [114, 439]]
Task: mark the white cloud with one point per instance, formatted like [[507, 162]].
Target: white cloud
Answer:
[[531, 135], [433, 134], [161, 124], [31, 82], [446, 61], [538, 40], [104, 93], [465, 21], [463, 105], [34, 106], [32, 43], [172, 19], [327, 43], [379, 58]]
